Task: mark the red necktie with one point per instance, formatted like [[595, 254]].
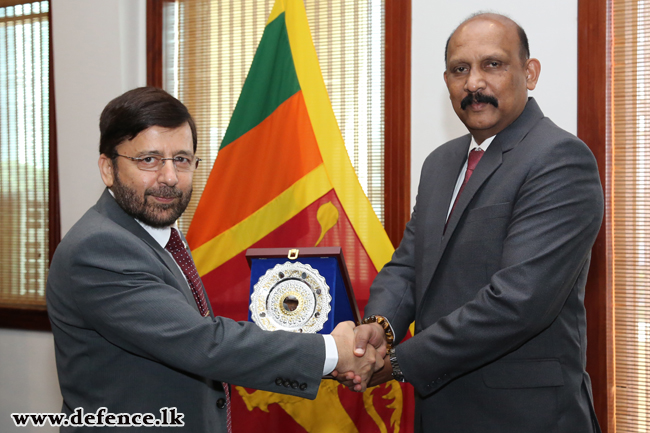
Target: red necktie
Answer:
[[184, 261], [176, 247], [472, 161], [226, 389]]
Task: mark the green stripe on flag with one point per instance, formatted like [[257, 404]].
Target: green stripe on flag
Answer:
[[271, 80]]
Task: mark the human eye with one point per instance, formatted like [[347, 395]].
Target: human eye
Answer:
[[459, 69], [493, 64], [149, 162], [182, 161]]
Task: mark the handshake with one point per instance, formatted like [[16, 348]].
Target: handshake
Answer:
[[363, 359]]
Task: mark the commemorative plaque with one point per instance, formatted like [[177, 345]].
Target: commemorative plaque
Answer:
[[300, 290]]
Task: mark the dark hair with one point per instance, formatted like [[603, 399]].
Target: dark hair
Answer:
[[136, 110], [524, 49]]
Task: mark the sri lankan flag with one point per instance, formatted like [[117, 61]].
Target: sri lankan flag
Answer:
[[283, 178]]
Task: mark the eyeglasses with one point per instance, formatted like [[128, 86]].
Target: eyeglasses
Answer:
[[156, 162]]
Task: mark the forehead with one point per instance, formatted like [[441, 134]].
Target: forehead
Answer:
[[482, 37], [159, 139]]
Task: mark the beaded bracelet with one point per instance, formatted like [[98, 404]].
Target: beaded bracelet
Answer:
[[383, 322]]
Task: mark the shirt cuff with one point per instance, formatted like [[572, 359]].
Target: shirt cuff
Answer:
[[331, 354]]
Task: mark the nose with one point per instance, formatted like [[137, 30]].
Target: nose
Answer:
[[167, 174], [475, 81]]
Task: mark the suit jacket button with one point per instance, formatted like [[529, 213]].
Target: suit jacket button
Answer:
[[303, 386], [287, 383], [294, 384], [221, 403], [278, 381]]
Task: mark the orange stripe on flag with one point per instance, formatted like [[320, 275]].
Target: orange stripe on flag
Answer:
[[335, 157], [284, 149]]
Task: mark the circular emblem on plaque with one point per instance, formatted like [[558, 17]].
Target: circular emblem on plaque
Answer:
[[292, 297]]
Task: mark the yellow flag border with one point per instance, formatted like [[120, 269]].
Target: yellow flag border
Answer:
[[278, 8], [328, 135]]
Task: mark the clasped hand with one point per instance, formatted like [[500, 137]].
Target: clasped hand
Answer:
[[362, 353]]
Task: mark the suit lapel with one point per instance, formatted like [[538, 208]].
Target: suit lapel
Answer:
[[437, 197], [109, 207], [505, 141]]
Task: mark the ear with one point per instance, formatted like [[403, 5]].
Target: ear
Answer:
[[445, 77], [533, 69], [106, 170]]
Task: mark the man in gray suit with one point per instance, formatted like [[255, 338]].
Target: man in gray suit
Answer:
[[493, 262], [133, 330]]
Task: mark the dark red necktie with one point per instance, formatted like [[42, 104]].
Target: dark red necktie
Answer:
[[185, 262], [472, 161], [176, 247]]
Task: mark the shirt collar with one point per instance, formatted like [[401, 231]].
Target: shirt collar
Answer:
[[483, 146], [161, 235]]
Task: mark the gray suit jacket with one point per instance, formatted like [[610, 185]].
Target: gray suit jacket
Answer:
[[497, 298], [128, 335]]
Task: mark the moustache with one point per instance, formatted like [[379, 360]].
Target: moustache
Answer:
[[165, 192], [478, 98]]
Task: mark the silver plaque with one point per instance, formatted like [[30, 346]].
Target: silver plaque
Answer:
[[292, 297]]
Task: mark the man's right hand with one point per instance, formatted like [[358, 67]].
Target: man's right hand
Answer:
[[362, 365]]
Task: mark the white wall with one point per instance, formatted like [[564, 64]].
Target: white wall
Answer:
[[99, 53], [28, 381], [552, 29]]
